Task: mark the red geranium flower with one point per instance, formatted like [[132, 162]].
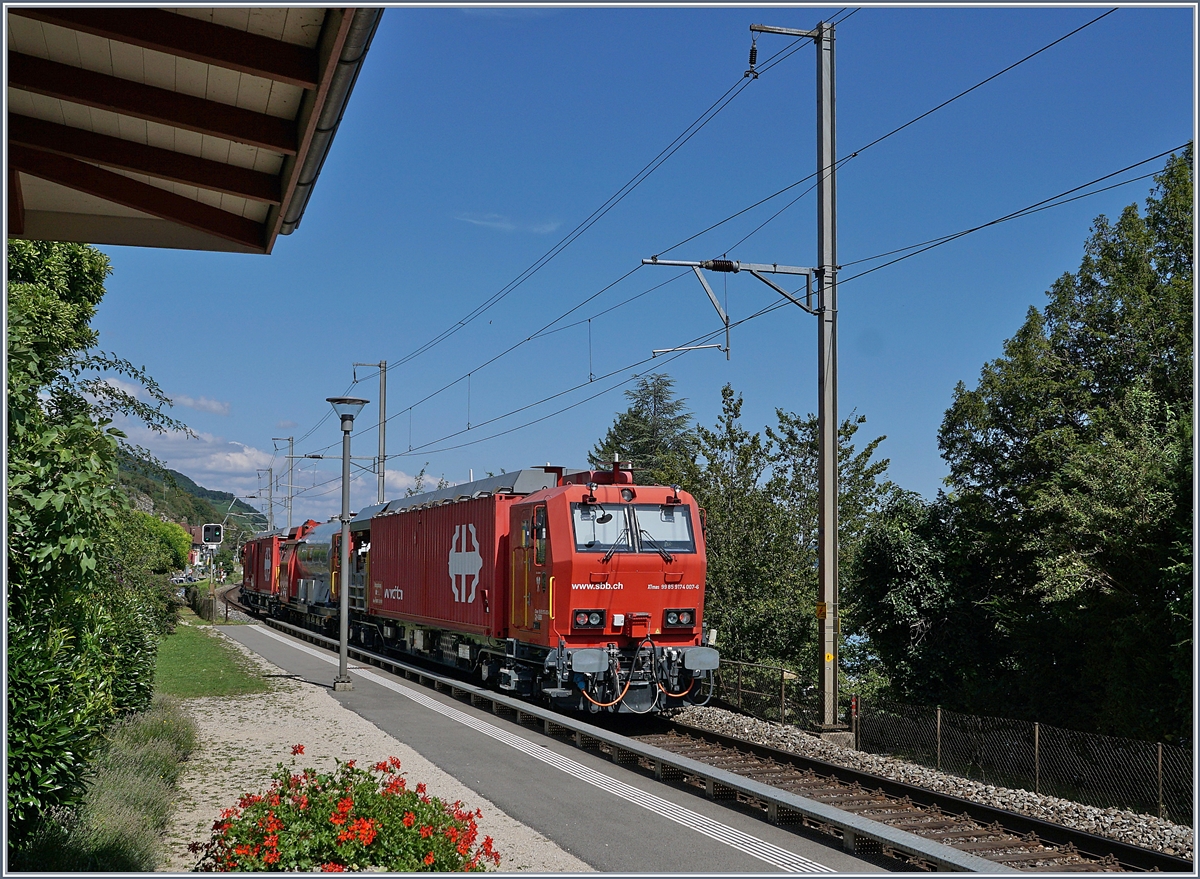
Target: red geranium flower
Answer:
[[297, 749], [429, 858]]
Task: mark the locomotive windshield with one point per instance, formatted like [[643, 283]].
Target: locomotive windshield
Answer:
[[598, 530], [658, 528], [665, 525]]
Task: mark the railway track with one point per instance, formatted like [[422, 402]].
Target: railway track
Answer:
[[1007, 839]]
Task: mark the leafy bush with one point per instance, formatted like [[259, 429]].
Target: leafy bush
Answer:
[[349, 820], [117, 825], [84, 606], [57, 707]]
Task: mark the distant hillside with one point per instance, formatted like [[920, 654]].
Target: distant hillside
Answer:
[[177, 498]]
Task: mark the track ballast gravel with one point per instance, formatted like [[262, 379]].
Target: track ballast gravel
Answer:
[[1146, 831]]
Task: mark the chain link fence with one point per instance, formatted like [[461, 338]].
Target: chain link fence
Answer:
[[772, 693], [1097, 770]]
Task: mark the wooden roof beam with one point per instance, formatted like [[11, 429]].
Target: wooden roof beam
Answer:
[[16, 204], [187, 37], [137, 195], [128, 98], [128, 155]]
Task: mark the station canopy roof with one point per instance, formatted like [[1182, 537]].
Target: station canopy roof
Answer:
[[194, 128]]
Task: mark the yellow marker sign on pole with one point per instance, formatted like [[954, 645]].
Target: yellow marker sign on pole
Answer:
[[821, 610]]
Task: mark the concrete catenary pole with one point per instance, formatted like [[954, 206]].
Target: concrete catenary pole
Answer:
[[381, 459], [382, 430], [827, 534], [291, 457], [828, 614]]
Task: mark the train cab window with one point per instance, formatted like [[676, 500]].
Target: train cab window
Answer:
[[539, 536], [668, 526], [598, 529]]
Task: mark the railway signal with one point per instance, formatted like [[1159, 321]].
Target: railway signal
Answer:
[[212, 534]]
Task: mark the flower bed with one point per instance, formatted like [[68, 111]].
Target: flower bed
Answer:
[[352, 819]]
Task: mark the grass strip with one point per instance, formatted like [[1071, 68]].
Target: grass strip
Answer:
[[195, 661], [119, 827]]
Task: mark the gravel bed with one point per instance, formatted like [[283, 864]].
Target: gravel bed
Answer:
[[242, 738], [1130, 827]]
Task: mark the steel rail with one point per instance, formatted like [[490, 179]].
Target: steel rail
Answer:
[[782, 807], [717, 782], [1090, 844]]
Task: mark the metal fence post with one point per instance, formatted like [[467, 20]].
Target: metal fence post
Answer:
[[1037, 761], [939, 738], [782, 694], [1160, 785], [854, 708], [739, 686]]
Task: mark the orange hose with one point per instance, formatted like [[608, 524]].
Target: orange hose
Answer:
[[614, 701], [677, 695]]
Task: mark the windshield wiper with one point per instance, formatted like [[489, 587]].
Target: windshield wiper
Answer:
[[624, 536], [666, 555]]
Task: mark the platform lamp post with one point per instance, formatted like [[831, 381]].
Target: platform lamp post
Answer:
[[346, 408]]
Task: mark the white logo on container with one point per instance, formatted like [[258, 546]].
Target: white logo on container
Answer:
[[464, 563]]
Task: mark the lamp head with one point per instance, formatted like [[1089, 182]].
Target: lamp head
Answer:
[[347, 408]]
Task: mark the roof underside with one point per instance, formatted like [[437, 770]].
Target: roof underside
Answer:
[[196, 128]]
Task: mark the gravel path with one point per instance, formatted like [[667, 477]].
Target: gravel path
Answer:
[[244, 737], [1143, 830]]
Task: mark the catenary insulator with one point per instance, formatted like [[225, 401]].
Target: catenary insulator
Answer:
[[753, 54], [722, 265]]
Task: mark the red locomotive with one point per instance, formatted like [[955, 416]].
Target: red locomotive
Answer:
[[579, 587]]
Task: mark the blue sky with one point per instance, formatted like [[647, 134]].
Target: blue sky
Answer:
[[477, 138]]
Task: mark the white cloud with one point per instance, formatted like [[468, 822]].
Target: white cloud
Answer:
[[505, 224], [211, 461], [221, 464], [203, 404], [133, 390], [285, 425], [491, 221]]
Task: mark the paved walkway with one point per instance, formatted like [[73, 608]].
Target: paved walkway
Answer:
[[244, 737]]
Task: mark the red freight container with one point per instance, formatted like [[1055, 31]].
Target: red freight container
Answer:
[[443, 566], [260, 560]]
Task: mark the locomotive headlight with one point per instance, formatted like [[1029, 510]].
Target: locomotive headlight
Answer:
[[683, 617], [588, 619]]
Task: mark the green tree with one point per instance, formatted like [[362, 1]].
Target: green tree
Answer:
[[656, 425], [1069, 521], [760, 495], [174, 542], [79, 632]]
